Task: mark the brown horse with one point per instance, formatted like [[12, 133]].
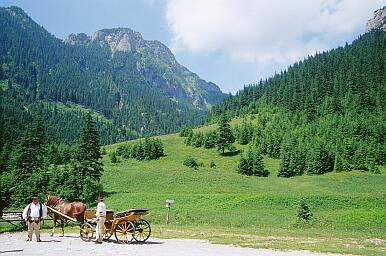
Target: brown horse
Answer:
[[75, 210]]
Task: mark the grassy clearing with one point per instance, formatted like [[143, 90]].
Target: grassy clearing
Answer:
[[224, 207], [349, 208]]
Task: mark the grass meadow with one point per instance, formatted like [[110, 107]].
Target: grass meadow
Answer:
[[349, 209], [218, 204]]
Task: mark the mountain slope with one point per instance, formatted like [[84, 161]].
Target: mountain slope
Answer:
[[156, 63], [330, 106], [139, 92]]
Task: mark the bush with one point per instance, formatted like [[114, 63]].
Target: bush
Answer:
[[191, 162], [186, 131], [304, 212], [113, 157]]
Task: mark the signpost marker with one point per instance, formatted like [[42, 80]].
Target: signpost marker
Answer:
[[169, 204]]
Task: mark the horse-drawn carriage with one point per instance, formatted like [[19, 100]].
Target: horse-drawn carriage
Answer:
[[126, 226]]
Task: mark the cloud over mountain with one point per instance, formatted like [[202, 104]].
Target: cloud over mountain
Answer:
[[267, 34]]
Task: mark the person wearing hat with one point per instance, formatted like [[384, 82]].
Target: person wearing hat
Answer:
[[101, 217], [33, 214]]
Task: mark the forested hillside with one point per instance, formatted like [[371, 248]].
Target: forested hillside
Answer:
[[123, 89], [325, 113]]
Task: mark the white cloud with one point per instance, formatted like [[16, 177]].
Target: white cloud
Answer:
[[268, 34]]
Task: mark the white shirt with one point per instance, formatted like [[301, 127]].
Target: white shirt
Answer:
[[101, 210], [35, 208]]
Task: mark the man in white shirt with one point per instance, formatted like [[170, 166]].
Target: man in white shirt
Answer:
[[33, 214], [101, 217]]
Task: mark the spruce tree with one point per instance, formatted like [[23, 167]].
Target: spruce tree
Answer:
[[225, 136], [89, 153], [258, 168], [286, 168], [29, 153], [304, 213], [29, 177], [113, 157]]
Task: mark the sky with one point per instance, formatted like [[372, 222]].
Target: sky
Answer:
[[229, 42]]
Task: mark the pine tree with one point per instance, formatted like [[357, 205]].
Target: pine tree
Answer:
[[245, 165], [28, 156], [288, 168], [225, 136], [88, 152], [252, 164], [258, 168], [113, 157], [29, 176], [318, 160], [304, 212]]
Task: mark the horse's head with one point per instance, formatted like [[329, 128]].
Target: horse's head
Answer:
[[51, 200]]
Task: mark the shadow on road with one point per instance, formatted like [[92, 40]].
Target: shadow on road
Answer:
[[9, 251]]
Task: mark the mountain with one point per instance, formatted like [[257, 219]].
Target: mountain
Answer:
[[324, 113], [156, 63], [133, 87], [378, 21]]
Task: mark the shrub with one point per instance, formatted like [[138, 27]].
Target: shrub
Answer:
[[304, 212], [191, 162], [186, 131], [113, 157]]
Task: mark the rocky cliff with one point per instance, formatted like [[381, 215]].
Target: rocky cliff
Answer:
[[378, 21]]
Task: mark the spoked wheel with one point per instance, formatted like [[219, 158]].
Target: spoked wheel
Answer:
[[124, 231], [107, 231], [142, 231], [86, 232]]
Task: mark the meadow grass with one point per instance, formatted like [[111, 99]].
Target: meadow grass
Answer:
[[349, 209], [218, 204]]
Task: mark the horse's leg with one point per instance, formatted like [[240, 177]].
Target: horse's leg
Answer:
[[62, 224], [54, 224]]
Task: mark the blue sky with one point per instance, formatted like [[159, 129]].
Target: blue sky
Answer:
[[228, 42]]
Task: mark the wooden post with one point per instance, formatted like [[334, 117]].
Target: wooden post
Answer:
[[61, 214]]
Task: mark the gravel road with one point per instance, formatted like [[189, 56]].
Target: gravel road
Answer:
[[71, 244]]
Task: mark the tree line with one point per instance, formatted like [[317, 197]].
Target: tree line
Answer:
[[322, 114], [35, 168], [147, 149]]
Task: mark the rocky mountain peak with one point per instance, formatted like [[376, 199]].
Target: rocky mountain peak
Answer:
[[156, 64], [119, 39], [77, 39], [378, 21]]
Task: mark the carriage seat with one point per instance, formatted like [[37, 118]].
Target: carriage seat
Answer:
[[132, 211], [90, 215]]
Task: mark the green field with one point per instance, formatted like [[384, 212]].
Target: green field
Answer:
[[220, 205], [223, 206]]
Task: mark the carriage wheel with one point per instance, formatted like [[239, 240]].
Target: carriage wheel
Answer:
[[106, 231], [124, 231], [86, 232], [142, 231]]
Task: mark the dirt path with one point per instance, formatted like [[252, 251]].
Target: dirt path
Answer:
[[71, 244]]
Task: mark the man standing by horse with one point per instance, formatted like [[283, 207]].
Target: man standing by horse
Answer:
[[101, 218], [33, 214]]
